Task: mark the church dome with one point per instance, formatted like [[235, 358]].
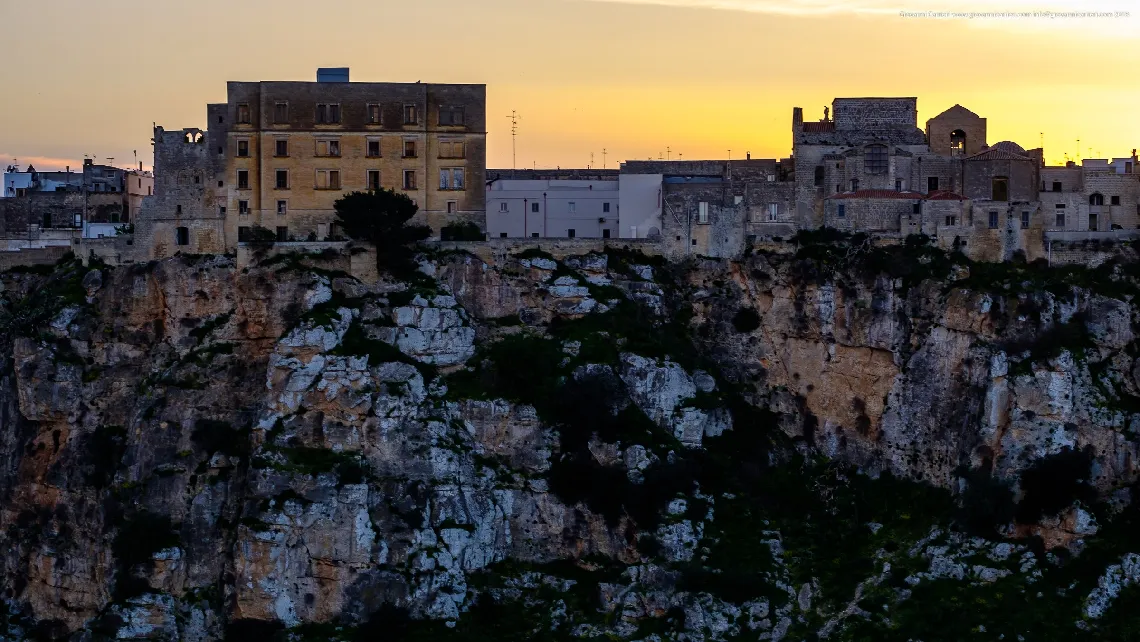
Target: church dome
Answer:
[[1009, 146]]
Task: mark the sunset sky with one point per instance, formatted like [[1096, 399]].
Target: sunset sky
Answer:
[[633, 77]]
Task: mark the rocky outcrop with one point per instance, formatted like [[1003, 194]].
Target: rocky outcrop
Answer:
[[717, 450]]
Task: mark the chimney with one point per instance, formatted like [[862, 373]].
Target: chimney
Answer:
[[747, 155], [140, 166], [797, 117]]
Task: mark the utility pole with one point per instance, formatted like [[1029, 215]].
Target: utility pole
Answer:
[[514, 134], [603, 158], [668, 154], [591, 161]]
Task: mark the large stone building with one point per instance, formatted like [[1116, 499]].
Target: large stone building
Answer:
[[277, 155]]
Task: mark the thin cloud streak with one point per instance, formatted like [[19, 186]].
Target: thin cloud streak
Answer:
[[816, 8]]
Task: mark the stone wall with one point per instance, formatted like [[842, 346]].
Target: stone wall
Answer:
[[60, 209], [34, 256], [1022, 178], [874, 113], [498, 249]]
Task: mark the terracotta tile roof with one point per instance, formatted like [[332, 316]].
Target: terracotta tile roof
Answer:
[[997, 154], [879, 193], [823, 126], [943, 195]]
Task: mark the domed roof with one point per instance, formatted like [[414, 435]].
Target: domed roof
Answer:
[[1009, 146]]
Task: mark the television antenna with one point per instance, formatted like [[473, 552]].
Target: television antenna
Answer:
[[514, 134], [603, 158]]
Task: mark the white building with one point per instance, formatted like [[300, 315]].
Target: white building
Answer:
[[18, 183], [544, 207]]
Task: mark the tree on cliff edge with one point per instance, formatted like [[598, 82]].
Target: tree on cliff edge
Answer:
[[380, 217]]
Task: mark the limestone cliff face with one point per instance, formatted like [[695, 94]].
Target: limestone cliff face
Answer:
[[600, 446]]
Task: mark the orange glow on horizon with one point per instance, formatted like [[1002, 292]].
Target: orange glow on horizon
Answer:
[[633, 79]]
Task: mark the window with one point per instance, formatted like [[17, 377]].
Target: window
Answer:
[[450, 115], [1025, 220], [605, 208], [773, 210], [243, 207], [503, 207], [1096, 199], [917, 208], [534, 207], [854, 185], [409, 149], [243, 114], [222, 211], [957, 143], [178, 210], [280, 113], [999, 189], [993, 220], [243, 179], [374, 179], [182, 236], [932, 184], [451, 178], [502, 235], [282, 179], [570, 232], [411, 115], [702, 212], [1092, 222], [243, 234], [571, 207], [451, 149], [373, 114], [328, 147], [281, 147], [818, 175], [1115, 200], [951, 221], [1060, 219], [1057, 186], [282, 208], [148, 190], [374, 148], [409, 179], [534, 235], [876, 160], [243, 148], [737, 200], [605, 233], [328, 113], [282, 233], [328, 179], [898, 185], [841, 211], [452, 207]]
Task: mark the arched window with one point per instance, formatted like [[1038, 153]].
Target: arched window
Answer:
[[876, 160], [818, 175], [1096, 199], [957, 143]]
